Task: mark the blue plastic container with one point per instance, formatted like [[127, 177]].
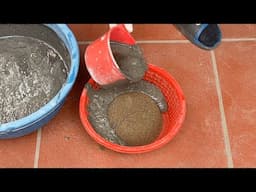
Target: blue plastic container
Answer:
[[39, 118], [204, 36]]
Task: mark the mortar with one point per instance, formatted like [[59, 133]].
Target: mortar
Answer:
[[60, 39]]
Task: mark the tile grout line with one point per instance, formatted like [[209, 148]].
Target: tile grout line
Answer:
[[162, 41], [238, 39], [144, 41], [177, 41], [222, 113], [37, 151]]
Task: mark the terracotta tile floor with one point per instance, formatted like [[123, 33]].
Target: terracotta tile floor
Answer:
[[219, 86]]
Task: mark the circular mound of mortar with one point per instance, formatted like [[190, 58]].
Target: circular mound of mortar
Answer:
[[38, 67], [136, 118]]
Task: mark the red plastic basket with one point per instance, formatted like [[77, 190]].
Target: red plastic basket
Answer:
[[172, 119]]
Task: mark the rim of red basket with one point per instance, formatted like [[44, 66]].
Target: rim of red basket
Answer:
[[135, 149]]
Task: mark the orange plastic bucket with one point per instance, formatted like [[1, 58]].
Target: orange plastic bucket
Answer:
[[99, 59], [172, 118]]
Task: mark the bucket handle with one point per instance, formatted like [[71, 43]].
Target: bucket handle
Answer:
[[128, 27]]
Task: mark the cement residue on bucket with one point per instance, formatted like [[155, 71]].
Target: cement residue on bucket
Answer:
[[130, 60], [31, 74]]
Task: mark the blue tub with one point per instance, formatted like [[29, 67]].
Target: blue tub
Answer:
[[39, 118]]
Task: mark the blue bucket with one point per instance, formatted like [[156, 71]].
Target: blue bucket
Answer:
[[42, 116]]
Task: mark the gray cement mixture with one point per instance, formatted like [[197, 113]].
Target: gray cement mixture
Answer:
[[31, 74], [130, 60], [99, 101]]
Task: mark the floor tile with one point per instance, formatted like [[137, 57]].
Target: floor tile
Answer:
[[83, 74], [156, 32], [88, 32], [200, 142], [18, 152], [65, 143], [65, 121], [236, 66], [238, 30]]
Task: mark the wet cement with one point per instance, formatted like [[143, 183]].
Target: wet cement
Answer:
[[130, 60], [31, 74], [99, 101]]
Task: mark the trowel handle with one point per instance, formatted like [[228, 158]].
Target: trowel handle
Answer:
[[128, 27]]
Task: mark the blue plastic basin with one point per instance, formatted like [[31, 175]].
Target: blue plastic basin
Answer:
[[39, 118]]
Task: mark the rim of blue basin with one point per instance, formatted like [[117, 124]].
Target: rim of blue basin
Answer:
[[67, 36]]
